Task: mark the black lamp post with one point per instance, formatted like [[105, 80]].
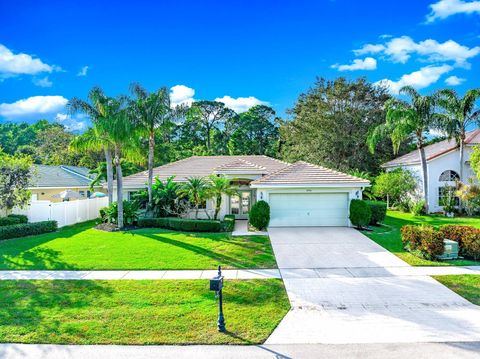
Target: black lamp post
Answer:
[[216, 284]]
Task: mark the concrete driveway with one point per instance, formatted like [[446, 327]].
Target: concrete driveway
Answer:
[[343, 289]]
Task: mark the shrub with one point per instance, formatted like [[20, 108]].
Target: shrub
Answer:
[[379, 211], [259, 215], [8, 221], [130, 212], [467, 237], [417, 208], [228, 223], [424, 241], [360, 213], [27, 229], [22, 218], [182, 224]]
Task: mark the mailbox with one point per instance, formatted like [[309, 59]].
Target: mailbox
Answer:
[[216, 283]]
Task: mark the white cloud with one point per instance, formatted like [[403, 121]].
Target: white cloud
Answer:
[[454, 80], [31, 106], [369, 63], [83, 71], [418, 79], [17, 64], [72, 124], [240, 104], [445, 8], [400, 49], [43, 82], [181, 95]]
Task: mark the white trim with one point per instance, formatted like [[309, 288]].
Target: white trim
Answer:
[[63, 187], [312, 185], [74, 173]]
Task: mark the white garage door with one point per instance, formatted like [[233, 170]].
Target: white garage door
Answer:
[[308, 209]]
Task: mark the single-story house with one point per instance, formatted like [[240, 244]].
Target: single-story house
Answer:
[[443, 167], [299, 194], [49, 181]]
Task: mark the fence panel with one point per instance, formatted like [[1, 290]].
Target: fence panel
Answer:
[[65, 213]]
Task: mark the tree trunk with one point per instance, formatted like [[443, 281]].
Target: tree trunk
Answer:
[[151, 150], [196, 211], [217, 206], [119, 188], [423, 161], [462, 145], [108, 159]]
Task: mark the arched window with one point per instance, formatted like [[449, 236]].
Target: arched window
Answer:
[[449, 176]]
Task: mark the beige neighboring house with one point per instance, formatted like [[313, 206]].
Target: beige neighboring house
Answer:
[[48, 181], [299, 194]]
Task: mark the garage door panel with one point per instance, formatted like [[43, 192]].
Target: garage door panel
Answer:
[[308, 209]]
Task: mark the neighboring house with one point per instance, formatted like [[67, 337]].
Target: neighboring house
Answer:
[[299, 194], [443, 167], [48, 181]]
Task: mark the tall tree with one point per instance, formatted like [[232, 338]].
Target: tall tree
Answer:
[[460, 113], [330, 126], [15, 176], [99, 109], [405, 120], [152, 111], [254, 132], [210, 115]]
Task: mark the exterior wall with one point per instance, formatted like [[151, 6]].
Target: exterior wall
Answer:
[[45, 194], [435, 167], [353, 192]]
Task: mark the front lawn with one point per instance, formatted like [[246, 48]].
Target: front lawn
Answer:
[[83, 247], [468, 286], [388, 236], [138, 312]]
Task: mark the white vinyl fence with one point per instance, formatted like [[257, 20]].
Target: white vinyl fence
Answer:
[[65, 213]]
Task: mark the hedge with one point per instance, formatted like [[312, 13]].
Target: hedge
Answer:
[[182, 224], [27, 229], [423, 240], [259, 216], [467, 237], [228, 223], [378, 210], [8, 221], [360, 213]]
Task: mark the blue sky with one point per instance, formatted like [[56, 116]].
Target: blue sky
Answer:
[[241, 52]]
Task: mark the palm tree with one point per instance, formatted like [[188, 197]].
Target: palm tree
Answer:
[[220, 185], [196, 189], [459, 114], [152, 111], [97, 108], [405, 120]]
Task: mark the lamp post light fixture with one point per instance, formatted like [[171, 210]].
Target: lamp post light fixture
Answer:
[[216, 284]]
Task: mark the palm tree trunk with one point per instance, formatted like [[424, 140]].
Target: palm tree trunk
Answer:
[[196, 211], [151, 150], [217, 206], [423, 160], [462, 145], [119, 187], [108, 159]]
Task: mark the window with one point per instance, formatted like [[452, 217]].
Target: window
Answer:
[[82, 193], [444, 192], [449, 176], [203, 205]]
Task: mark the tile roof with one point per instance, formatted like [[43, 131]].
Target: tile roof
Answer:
[[60, 176], [306, 173], [434, 150], [205, 165]]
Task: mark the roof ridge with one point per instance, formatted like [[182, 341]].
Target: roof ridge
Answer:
[[332, 170], [275, 172]]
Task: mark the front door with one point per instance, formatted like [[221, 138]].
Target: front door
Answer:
[[240, 204]]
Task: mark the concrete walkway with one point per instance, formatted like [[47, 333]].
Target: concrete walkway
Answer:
[[371, 351], [241, 229], [370, 297], [289, 273], [138, 275]]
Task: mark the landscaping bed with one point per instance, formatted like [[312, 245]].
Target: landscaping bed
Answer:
[[468, 286], [139, 312], [83, 247], [388, 236]]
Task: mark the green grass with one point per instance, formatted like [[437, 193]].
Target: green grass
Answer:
[[468, 286], [83, 247], [388, 236], [138, 312]]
